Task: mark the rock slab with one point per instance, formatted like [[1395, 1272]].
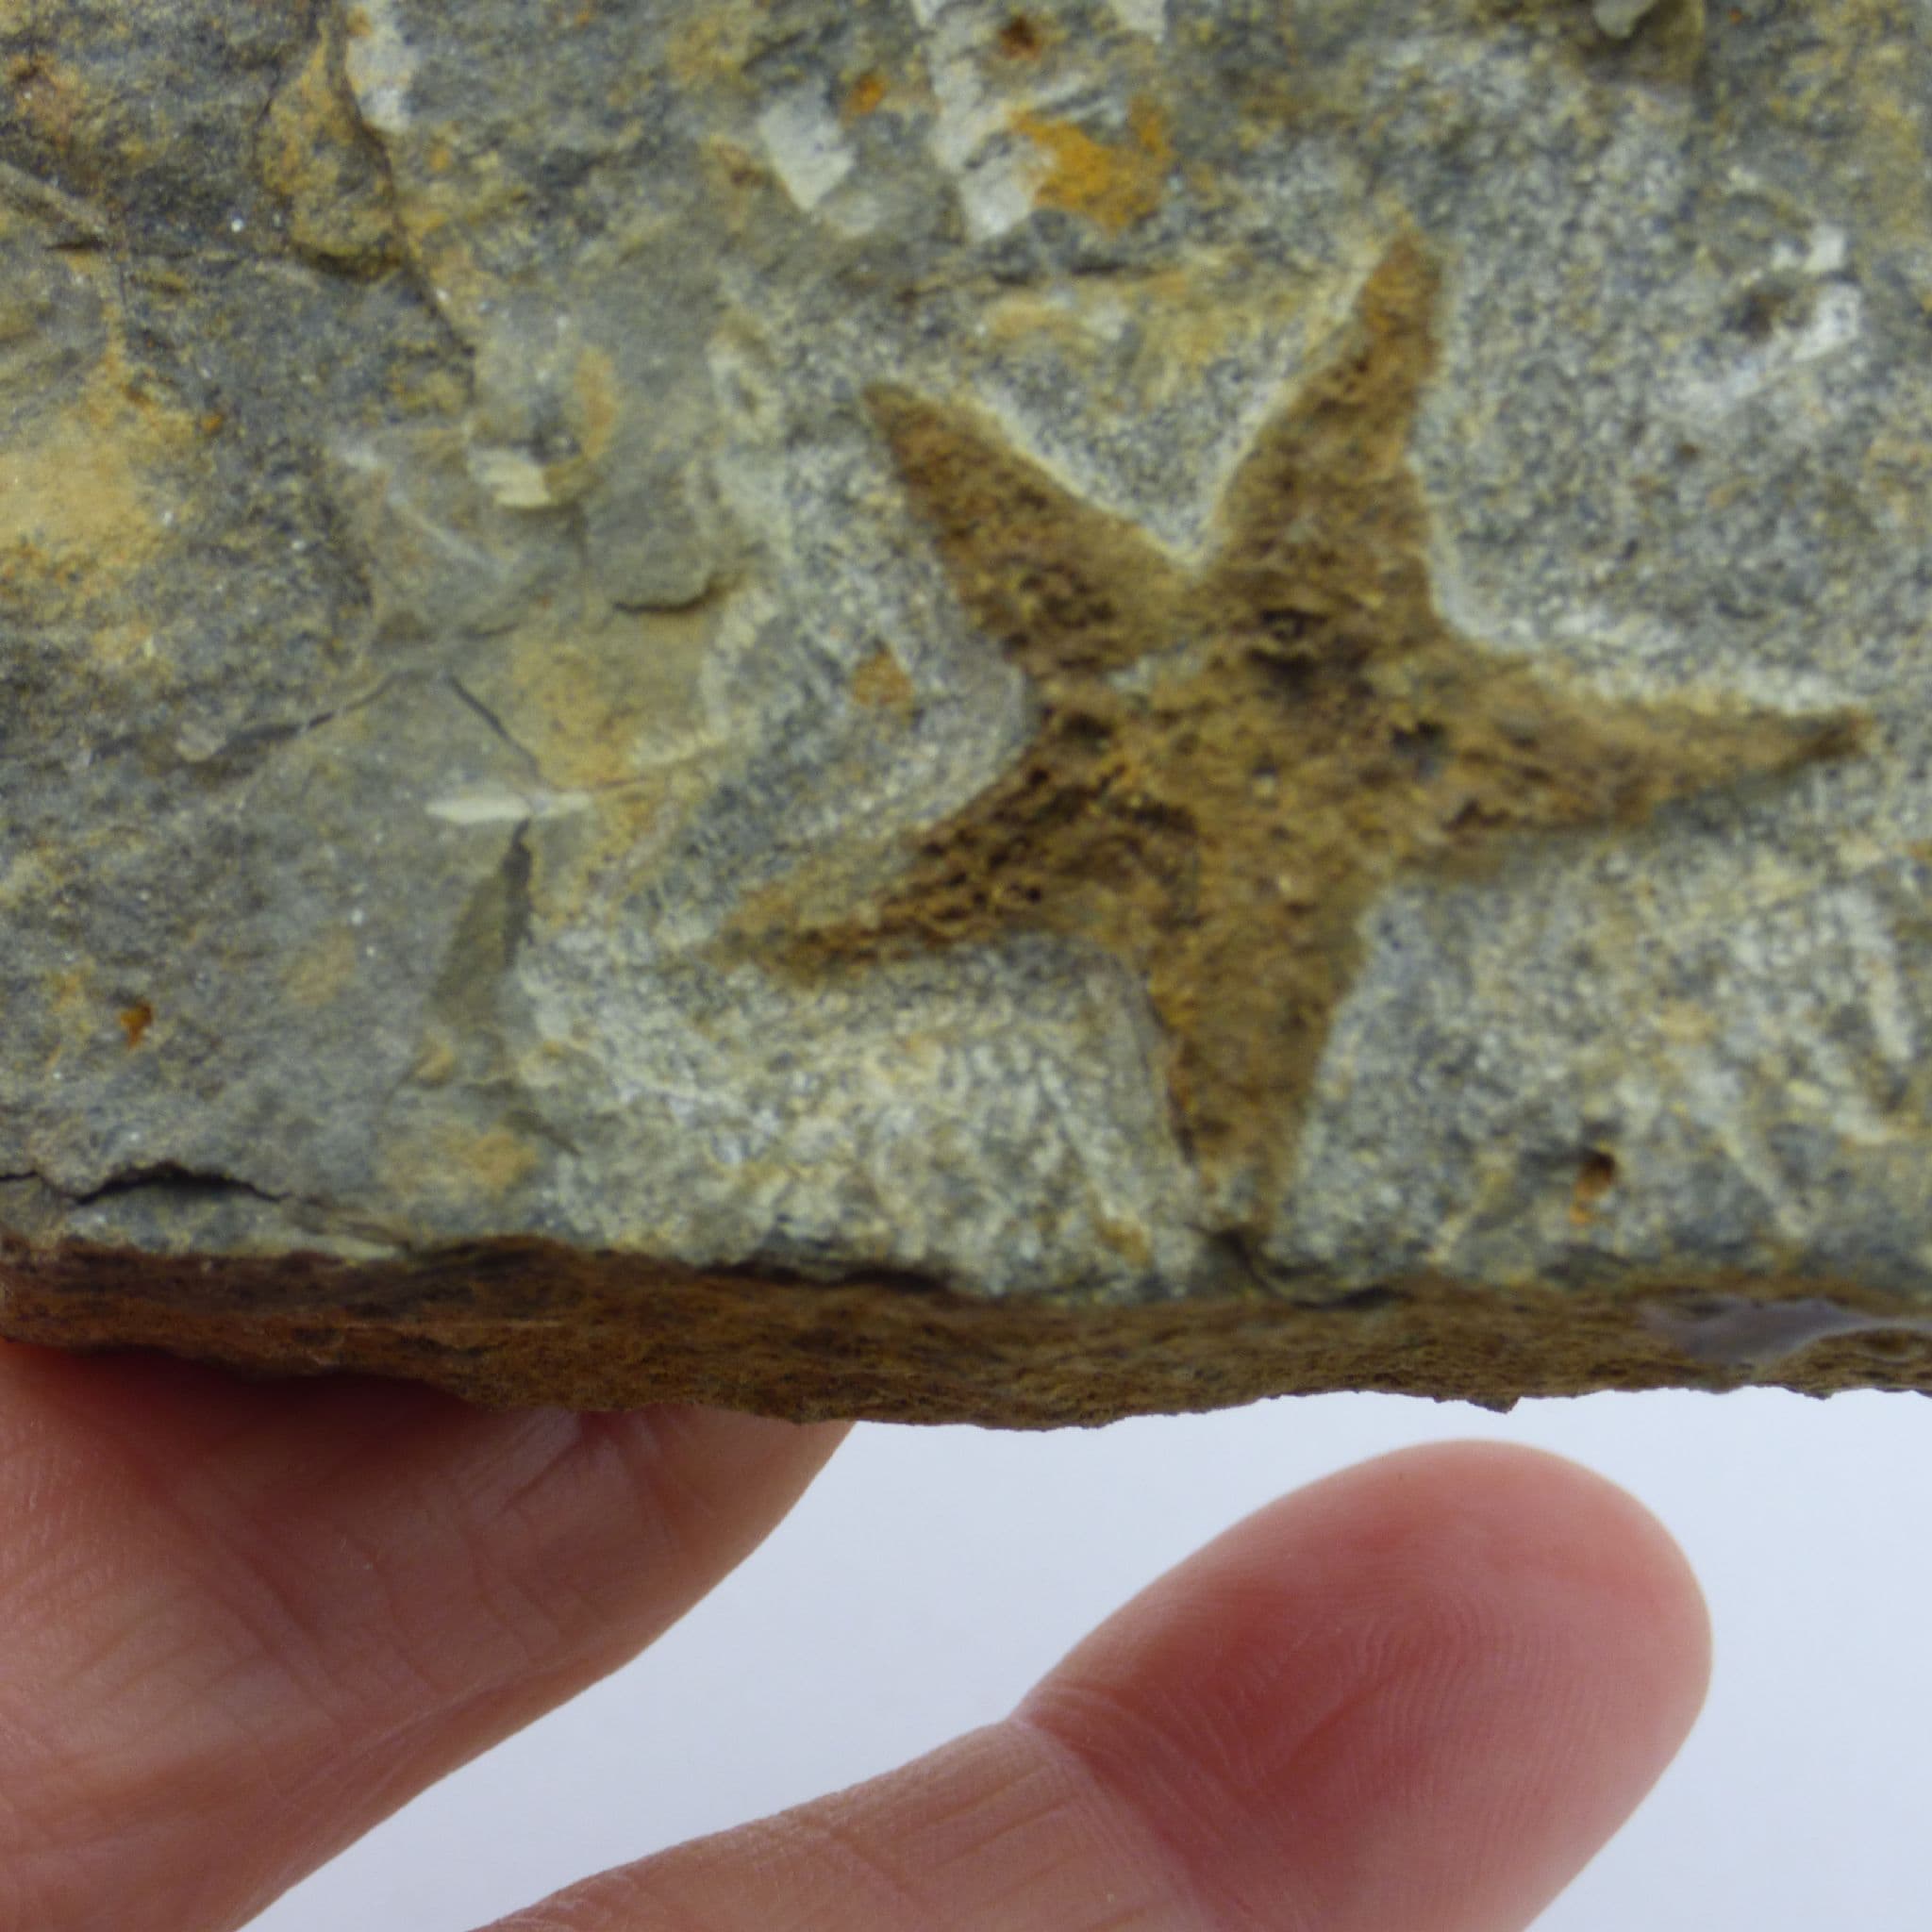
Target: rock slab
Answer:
[[945, 711]]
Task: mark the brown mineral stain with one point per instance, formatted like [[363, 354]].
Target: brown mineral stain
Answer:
[[127, 647], [314, 152], [72, 1004], [608, 704], [85, 493], [499, 1160], [583, 861], [1204, 311], [595, 697], [1685, 1023], [1177, 322], [711, 47], [1114, 183], [455, 1162], [71, 994], [738, 180], [324, 969], [1071, 317], [434, 389], [1021, 39], [47, 96], [598, 391], [881, 683], [1233, 762], [437, 1060], [1125, 1238], [1674, 37], [1596, 1175], [864, 96], [1898, 468]]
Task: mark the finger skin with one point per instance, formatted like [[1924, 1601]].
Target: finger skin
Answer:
[[239, 1623], [1415, 1697]]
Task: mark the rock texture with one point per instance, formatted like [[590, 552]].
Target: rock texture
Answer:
[[936, 710]]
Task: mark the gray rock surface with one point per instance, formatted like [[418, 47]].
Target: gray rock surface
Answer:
[[1107, 705]]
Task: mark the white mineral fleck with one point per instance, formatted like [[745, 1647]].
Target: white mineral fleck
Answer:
[[805, 145], [381, 65], [1620, 18], [1147, 17]]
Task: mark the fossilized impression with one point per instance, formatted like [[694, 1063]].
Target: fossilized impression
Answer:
[[1232, 760], [953, 711]]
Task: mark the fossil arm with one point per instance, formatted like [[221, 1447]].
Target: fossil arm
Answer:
[[1231, 761]]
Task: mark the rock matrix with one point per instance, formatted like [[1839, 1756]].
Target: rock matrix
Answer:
[[948, 711]]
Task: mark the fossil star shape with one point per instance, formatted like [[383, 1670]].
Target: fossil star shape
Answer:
[[1232, 760]]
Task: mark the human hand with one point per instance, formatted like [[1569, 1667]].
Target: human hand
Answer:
[[242, 1623]]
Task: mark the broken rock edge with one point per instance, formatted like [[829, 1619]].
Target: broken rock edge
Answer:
[[523, 1321]]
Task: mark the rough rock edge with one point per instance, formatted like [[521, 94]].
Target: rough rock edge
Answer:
[[525, 1323]]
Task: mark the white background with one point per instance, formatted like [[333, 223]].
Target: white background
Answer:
[[931, 1575]]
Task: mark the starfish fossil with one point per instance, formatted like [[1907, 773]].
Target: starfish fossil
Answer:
[[1297, 722]]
